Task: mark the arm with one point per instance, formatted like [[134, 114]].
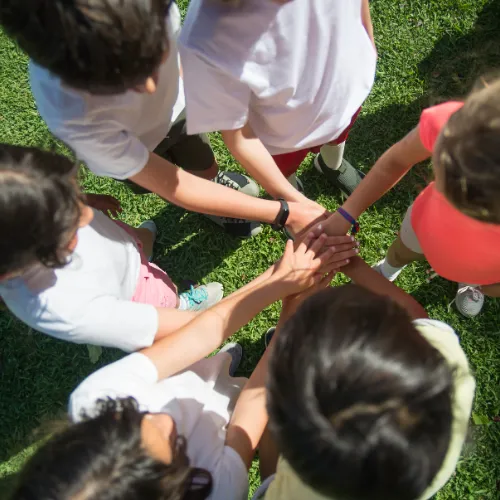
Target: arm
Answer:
[[387, 171], [249, 151], [361, 273], [199, 195], [366, 19]]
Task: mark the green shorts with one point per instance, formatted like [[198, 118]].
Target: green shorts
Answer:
[[190, 152]]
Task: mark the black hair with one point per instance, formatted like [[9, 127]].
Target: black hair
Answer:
[[101, 46], [39, 208], [359, 402], [102, 458]]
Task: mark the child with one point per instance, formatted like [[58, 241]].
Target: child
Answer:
[[174, 441], [105, 77], [380, 403], [455, 222], [281, 78], [73, 273]]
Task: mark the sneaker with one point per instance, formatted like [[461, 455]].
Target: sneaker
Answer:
[[237, 227], [236, 352], [296, 183], [268, 336], [346, 177], [239, 182], [379, 267], [201, 297], [150, 226], [469, 300]]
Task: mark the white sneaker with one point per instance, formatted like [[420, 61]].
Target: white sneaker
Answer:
[[380, 268], [201, 297], [469, 300]]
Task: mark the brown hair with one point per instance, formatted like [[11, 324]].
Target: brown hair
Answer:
[[468, 153]]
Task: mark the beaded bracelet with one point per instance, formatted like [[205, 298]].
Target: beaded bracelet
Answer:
[[348, 217]]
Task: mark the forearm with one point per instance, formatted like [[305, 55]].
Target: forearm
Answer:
[[170, 320], [249, 151], [362, 274], [199, 195], [250, 418], [209, 329]]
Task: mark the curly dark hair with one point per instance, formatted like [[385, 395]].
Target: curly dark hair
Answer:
[[101, 46], [39, 207], [468, 154], [360, 403], [102, 458]]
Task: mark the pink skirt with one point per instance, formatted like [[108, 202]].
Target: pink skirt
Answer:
[[154, 286]]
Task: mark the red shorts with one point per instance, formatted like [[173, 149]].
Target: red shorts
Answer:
[[288, 163]]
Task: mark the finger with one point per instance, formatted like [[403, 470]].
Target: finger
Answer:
[[345, 248], [340, 240], [288, 250], [316, 245], [306, 242]]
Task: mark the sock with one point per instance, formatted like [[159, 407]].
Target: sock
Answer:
[[388, 271], [183, 305], [332, 155]]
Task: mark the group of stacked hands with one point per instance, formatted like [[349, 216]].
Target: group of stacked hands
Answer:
[[358, 394]]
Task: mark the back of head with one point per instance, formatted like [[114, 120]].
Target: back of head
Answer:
[[101, 46], [39, 208], [103, 458], [359, 401], [469, 157]]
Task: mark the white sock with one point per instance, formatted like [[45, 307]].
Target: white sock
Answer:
[[332, 155], [183, 305], [388, 271]]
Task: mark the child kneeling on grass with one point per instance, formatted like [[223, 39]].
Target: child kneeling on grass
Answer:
[[71, 272], [172, 436], [455, 221], [366, 400]]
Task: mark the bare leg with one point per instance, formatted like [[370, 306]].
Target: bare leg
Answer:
[[147, 239], [206, 174], [268, 455], [399, 254], [491, 290]]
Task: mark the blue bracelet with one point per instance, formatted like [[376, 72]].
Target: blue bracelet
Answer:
[[348, 217]]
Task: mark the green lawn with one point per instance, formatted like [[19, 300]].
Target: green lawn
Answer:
[[429, 50]]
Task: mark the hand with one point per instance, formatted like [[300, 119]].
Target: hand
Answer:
[[303, 216], [105, 203], [305, 266], [335, 225]]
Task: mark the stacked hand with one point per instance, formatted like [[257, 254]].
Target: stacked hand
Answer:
[[105, 203]]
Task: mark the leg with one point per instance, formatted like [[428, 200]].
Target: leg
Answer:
[[268, 455], [146, 237], [399, 255]]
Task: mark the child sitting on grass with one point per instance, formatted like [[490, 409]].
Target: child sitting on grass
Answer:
[[73, 273], [455, 222], [172, 436], [366, 400]]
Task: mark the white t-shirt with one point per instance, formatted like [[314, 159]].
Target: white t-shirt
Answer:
[[89, 300], [297, 72], [113, 134], [199, 400]]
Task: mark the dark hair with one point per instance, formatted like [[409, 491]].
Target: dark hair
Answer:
[[39, 208], [468, 154], [102, 458], [101, 46], [359, 401]]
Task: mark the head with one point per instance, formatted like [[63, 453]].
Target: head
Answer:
[[467, 157], [100, 46], [360, 404], [41, 209], [120, 454]]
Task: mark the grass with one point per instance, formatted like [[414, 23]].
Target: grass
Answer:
[[429, 50]]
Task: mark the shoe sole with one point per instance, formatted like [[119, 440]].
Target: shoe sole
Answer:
[[338, 185]]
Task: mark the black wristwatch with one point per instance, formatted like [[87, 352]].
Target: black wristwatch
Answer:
[[282, 217]]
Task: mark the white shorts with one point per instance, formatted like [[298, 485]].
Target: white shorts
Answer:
[[407, 234]]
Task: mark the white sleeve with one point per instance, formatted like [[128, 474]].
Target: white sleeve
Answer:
[[131, 376], [230, 478], [105, 321], [106, 149], [215, 100]]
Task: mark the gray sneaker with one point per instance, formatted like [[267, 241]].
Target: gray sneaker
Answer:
[[201, 297], [346, 177], [236, 352], [239, 182], [469, 300]]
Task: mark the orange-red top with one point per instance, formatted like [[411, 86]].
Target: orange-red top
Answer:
[[458, 247]]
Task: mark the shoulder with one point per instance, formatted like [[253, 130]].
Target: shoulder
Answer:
[[131, 376], [433, 120]]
